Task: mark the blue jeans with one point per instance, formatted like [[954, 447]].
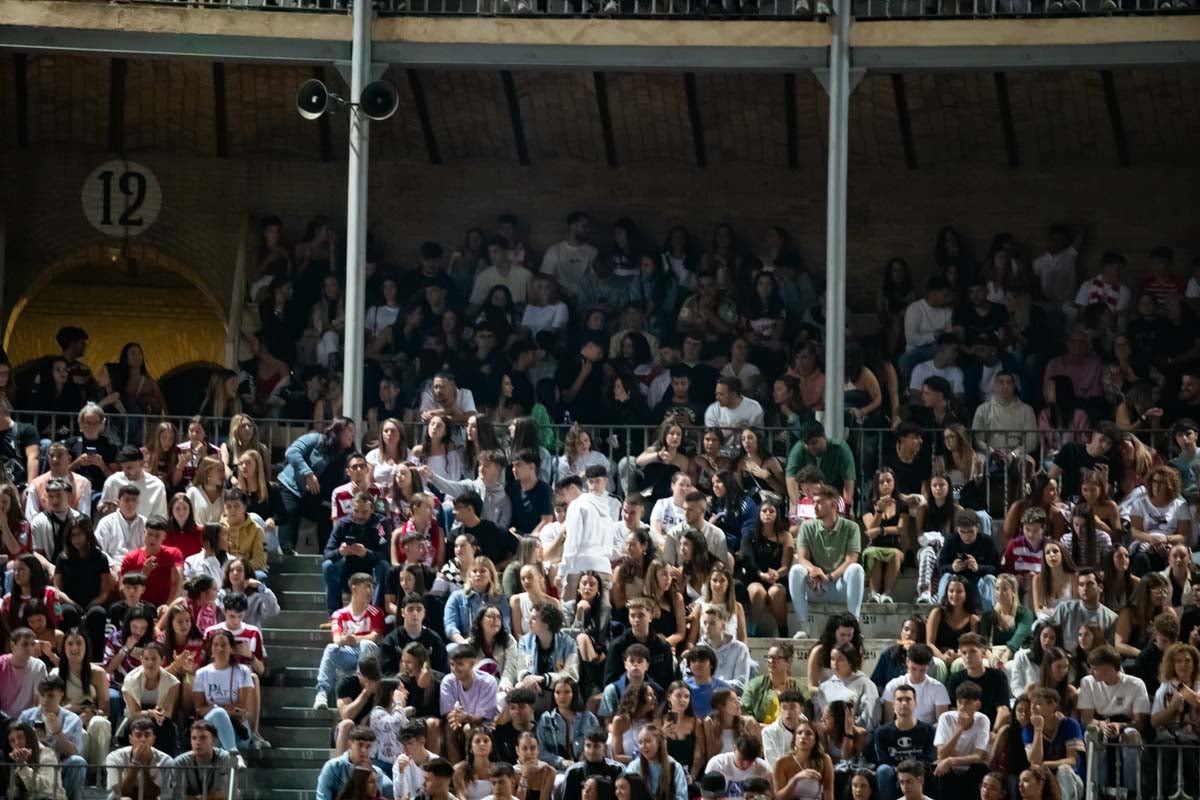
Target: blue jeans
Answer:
[[849, 588], [985, 590], [226, 735], [889, 786], [1129, 755], [116, 706], [340, 658], [74, 768], [335, 582]]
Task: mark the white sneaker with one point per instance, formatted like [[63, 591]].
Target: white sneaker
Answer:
[[523, 7], [925, 599], [1108, 5], [321, 700], [611, 7], [886, 598], [1055, 7], [1074, 6], [799, 635], [875, 597], [802, 8], [823, 8]]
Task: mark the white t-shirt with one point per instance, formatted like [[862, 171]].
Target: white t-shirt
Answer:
[[927, 369], [1056, 272], [747, 413], [1125, 698], [669, 514], [545, 318], [151, 502], [931, 693], [221, 686], [1159, 521], [735, 779], [466, 400], [1193, 289], [380, 317], [972, 740], [566, 262]]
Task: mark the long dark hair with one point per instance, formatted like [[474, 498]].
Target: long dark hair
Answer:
[[81, 524], [1084, 548], [968, 601], [85, 667], [38, 581], [503, 637], [630, 566], [1063, 409], [1118, 586], [1036, 653], [828, 638], [119, 372], [356, 786], [169, 634], [890, 287], [333, 435]]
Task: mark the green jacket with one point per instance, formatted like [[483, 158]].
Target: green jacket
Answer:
[[760, 699]]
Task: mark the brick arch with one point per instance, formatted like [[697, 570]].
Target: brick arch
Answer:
[[196, 334]]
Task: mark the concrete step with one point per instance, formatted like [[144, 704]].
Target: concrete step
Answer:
[[313, 737], [274, 779], [312, 636], [877, 619], [285, 582], [311, 619], [300, 714], [293, 757], [288, 696], [279, 794]]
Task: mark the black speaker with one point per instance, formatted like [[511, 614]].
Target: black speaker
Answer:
[[379, 100], [312, 101]]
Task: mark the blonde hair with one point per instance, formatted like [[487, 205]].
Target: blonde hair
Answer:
[[483, 562], [235, 422], [260, 474], [202, 469]]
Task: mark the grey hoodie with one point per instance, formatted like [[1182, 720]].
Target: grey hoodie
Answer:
[[497, 505]]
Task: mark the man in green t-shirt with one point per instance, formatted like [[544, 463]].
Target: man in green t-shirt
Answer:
[[827, 551], [833, 456]]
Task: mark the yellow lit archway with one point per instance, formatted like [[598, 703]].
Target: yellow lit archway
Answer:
[[137, 295]]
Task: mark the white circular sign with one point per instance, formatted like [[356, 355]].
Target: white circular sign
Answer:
[[121, 198]]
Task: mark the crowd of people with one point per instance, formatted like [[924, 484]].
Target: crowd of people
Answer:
[[588, 477]]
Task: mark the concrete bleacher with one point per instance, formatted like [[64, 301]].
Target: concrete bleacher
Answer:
[[301, 735]]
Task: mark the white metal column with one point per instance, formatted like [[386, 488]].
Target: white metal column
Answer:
[[356, 217], [839, 87]]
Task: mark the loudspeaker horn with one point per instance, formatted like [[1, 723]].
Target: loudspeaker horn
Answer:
[[312, 101], [379, 100]]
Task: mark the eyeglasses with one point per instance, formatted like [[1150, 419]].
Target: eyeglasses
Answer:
[[777, 658]]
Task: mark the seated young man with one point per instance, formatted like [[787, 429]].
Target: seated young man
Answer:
[[732, 656], [467, 702], [827, 553], [636, 659], [992, 682], [971, 556], [128, 776], [336, 772], [357, 630], [357, 544], [60, 730], [701, 664], [411, 627], [662, 660], [595, 763], [1055, 742], [962, 744], [744, 763], [932, 699], [904, 739], [161, 564], [1117, 706]]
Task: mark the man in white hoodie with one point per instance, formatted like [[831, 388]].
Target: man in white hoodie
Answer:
[[587, 535], [998, 422]]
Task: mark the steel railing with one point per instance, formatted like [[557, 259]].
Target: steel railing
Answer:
[[1166, 769], [693, 9], [1001, 479], [47, 779]]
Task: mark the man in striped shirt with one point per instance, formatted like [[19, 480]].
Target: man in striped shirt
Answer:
[[1023, 556]]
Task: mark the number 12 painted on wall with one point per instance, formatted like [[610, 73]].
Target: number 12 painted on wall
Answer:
[[132, 185]]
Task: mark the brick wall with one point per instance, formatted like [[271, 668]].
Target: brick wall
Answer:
[[1068, 165]]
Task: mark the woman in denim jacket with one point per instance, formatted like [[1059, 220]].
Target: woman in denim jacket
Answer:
[[561, 730]]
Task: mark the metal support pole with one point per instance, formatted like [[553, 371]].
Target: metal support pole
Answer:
[[356, 217], [835, 222]]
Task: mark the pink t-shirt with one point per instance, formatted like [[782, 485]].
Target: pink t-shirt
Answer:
[[18, 687]]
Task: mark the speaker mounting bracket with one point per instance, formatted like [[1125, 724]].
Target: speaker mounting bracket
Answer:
[[344, 69]]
